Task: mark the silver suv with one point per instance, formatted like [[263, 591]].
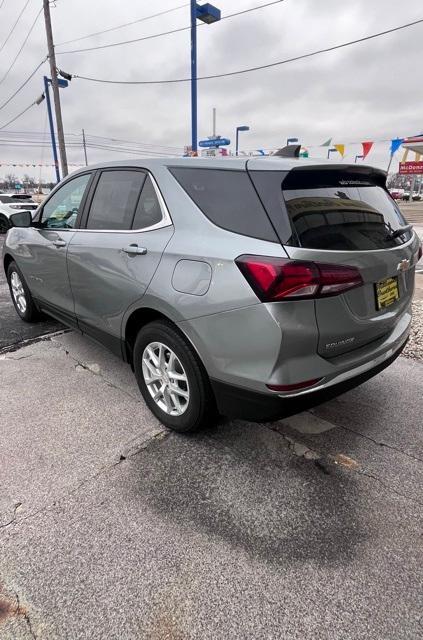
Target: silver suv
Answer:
[[246, 287]]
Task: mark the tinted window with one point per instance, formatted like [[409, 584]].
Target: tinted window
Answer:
[[61, 210], [334, 210], [148, 210], [344, 218], [228, 199], [115, 199]]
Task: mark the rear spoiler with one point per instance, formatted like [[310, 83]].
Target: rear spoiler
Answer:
[[334, 175]]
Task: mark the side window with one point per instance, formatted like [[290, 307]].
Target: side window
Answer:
[[148, 209], [61, 210], [115, 199], [228, 199]]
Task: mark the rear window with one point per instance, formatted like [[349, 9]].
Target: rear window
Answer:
[[228, 199], [340, 212]]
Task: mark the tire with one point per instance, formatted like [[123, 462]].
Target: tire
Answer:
[[192, 406], [4, 224], [21, 295]]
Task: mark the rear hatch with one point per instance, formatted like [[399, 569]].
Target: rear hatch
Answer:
[[344, 216]]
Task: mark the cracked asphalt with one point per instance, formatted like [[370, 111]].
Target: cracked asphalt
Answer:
[[111, 527]]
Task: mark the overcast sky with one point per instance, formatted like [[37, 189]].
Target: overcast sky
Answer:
[[369, 91]]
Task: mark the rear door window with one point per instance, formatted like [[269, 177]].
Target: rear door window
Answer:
[[228, 199], [331, 210], [115, 199], [148, 212]]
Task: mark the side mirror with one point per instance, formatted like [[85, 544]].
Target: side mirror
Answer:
[[21, 219]]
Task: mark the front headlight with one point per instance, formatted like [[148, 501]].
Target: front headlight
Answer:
[[15, 206]]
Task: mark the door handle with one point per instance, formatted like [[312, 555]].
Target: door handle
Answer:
[[135, 250], [59, 243]]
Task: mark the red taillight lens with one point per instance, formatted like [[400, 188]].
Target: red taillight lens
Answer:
[[275, 279]]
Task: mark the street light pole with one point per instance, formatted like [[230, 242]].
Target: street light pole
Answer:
[[54, 84], [51, 124], [194, 77], [206, 13], [238, 129]]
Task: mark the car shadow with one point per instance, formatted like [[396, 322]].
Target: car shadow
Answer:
[[242, 483]]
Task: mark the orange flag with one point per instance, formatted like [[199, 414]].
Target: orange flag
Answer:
[[340, 148]]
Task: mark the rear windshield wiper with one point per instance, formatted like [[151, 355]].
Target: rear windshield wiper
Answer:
[[399, 232]]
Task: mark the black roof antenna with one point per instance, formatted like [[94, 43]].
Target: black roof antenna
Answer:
[[290, 151]]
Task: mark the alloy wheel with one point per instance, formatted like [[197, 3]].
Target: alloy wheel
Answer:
[[165, 378], [18, 292]]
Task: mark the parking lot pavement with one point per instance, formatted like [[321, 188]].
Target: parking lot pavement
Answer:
[[112, 527], [12, 331]]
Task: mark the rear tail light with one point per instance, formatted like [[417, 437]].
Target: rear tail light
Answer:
[[275, 279]]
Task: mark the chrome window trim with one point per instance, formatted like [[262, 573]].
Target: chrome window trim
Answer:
[[166, 220]]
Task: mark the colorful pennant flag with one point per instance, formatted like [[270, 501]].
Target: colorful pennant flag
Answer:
[[327, 143], [395, 144], [366, 148], [340, 149]]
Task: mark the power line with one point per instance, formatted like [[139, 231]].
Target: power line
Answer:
[[23, 44], [257, 68], [14, 26], [167, 33], [121, 26], [19, 115], [25, 82], [143, 144]]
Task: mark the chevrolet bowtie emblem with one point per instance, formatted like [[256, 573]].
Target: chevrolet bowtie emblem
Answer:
[[403, 265]]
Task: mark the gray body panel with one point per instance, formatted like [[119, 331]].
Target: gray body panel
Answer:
[[189, 275], [106, 280]]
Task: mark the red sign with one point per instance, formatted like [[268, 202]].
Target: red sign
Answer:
[[411, 167]]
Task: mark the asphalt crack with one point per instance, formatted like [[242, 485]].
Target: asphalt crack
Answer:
[[128, 451], [16, 507], [97, 372], [20, 344], [324, 461], [24, 613], [380, 443]]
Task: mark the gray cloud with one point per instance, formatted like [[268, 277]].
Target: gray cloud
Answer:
[[367, 91]]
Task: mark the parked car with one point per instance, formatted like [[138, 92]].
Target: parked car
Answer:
[[243, 286], [9, 205], [396, 193], [19, 202]]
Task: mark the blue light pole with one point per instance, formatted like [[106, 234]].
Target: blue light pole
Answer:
[[63, 84], [206, 13], [238, 129]]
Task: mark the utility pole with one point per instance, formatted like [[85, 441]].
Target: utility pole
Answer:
[[55, 86], [84, 144], [50, 121]]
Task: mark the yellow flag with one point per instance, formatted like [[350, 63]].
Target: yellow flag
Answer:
[[340, 148]]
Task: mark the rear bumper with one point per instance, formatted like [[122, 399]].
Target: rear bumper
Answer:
[[237, 402]]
